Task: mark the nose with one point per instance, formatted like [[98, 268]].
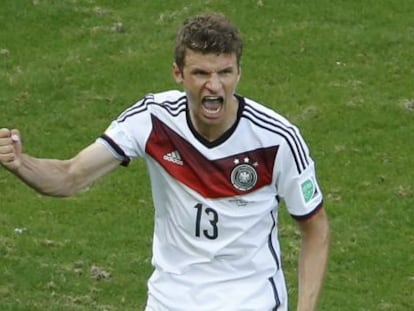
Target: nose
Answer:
[[213, 83]]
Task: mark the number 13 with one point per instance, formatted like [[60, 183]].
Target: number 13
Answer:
[[212, 215]]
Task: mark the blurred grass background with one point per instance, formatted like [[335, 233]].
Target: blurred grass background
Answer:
[[340, 70]]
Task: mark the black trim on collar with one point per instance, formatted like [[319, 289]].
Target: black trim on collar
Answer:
[[225, 135]]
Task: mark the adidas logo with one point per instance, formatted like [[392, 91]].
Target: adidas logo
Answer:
[[174, 157]]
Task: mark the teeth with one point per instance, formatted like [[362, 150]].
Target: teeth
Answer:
[[214, 110], [212, 103], [213, 98]]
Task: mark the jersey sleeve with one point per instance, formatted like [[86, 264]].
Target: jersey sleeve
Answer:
[[297, 184], [126, 136]]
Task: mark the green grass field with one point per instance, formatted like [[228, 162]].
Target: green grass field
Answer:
[[343, 71]]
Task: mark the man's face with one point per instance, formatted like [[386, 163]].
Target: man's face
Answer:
[[210, 81]]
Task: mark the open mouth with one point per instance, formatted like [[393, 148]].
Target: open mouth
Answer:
[[212, 104]]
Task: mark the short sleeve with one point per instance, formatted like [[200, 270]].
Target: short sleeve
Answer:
[[297, 183], [126, 136]]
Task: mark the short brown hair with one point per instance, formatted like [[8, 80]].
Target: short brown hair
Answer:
[[207, 33]]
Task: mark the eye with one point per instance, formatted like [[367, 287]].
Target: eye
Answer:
[[200, 73], [226, 71]]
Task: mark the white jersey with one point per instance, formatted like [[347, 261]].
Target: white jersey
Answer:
[[215, 244]]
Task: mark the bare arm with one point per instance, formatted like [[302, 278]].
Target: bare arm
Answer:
[[56, 177], [66, 177], [313, 259]]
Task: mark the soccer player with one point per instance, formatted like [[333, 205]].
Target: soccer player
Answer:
[[220, 164]]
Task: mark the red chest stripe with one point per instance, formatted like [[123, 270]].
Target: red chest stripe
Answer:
[[237, 174]]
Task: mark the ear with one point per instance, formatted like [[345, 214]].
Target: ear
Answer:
[[177, 74], [239, 74]]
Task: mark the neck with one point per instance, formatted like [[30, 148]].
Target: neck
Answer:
[[213, 131]]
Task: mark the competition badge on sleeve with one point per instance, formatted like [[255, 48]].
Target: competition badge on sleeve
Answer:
[[309, 190]]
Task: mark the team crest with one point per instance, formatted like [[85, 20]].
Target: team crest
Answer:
[[244, 176]]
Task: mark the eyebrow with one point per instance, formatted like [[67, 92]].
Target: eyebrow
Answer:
[[200, 70]]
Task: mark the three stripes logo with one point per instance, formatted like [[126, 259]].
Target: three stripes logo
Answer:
[[173, 157]]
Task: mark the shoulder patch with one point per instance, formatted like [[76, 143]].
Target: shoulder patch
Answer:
[[308, 189]]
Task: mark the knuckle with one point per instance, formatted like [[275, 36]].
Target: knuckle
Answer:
[[4, 132], [5, 159], [4, 141], [6, 149]]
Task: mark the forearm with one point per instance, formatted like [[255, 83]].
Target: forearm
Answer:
[[312, 267], [63, 178], [47, 176]]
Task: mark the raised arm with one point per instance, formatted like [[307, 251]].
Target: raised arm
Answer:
[[51, 176], [313, 259]]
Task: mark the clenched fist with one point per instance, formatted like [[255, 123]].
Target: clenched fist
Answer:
[[10, 149]]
